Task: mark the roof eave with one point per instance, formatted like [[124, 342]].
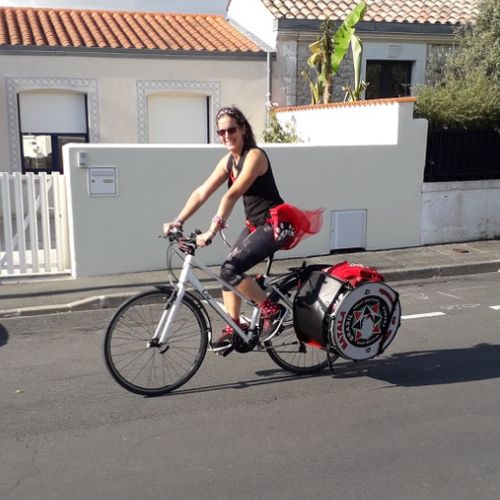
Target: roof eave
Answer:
[[120, 52], [284, 25]]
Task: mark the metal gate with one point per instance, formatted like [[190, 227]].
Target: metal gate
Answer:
[[33, 224]]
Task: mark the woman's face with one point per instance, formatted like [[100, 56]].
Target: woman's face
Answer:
[[230, 134]]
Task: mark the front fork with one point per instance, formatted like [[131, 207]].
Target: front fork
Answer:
[[169, 313]]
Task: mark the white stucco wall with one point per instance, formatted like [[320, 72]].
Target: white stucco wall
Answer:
[[118, 88], [377, 121], [118, 234], [460, 211]]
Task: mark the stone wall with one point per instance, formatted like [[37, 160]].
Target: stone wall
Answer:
[[436, 57], [290, 88]]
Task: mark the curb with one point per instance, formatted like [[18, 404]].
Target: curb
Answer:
[[115, 299], [87, 304], [441, 271]]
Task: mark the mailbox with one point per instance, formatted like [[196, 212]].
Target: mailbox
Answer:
[[102, 181]]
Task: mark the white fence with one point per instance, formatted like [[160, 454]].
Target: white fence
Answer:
[[33, 224]]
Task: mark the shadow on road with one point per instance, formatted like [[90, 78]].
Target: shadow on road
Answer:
[[272, 377], [408, 369], [446, 366], [4, 336]]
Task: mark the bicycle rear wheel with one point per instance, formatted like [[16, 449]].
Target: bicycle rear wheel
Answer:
[[288, 352], [149, 369]]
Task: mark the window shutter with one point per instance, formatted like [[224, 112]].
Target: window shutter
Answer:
[[177, 119], [53, 112]]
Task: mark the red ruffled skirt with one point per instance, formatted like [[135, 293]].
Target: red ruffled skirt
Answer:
[[291, 224]]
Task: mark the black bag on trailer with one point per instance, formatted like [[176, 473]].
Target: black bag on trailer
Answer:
[[312, 304], [348, 306]]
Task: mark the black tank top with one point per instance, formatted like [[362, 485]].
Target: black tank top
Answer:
[[262, 195]]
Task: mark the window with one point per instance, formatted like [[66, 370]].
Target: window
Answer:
[[48, 121], [388, 79], [37, 151]]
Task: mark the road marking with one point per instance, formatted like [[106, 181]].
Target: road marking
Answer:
[[425, 315], [496, 308], [467, 288], [450, 295], [460, 307], [418, 295]]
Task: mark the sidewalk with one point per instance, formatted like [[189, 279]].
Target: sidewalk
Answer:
[[33, 296]]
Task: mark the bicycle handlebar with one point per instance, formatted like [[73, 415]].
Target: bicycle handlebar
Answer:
[[186, 243]]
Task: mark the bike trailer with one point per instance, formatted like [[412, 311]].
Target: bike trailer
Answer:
[[347, 306]]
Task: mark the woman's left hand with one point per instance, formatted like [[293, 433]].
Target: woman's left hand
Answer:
[[204, 239]]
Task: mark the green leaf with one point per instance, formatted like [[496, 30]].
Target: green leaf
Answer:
[[357, 53], [314, 60], [343, 35], [315, 47]]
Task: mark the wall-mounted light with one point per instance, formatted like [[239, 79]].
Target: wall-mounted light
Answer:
[[81, 159]]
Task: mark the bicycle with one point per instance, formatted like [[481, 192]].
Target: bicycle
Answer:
[[157, 340]]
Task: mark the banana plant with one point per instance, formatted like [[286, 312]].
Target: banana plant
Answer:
[[321, 51], [345, 35], [355, 93], [328, 52]]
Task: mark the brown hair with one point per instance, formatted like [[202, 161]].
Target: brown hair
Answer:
[[233, 111]]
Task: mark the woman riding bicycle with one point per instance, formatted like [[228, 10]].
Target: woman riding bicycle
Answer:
[[271, 224]]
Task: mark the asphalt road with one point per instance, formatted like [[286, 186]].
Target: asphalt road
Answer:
[[420, 422]]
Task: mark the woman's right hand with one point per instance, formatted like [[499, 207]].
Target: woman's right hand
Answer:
[[169, 226]]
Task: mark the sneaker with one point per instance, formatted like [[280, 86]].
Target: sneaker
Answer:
[[272, 318], [226, 338]]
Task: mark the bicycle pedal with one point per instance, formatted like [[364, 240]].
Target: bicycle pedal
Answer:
[[226, 352]]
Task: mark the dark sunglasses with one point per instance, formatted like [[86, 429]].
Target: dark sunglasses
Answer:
[[230, 131]]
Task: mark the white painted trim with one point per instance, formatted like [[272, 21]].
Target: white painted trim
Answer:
[[434, 187]]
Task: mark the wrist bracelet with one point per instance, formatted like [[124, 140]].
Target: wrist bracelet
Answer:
[[219, 221], [179, 222]]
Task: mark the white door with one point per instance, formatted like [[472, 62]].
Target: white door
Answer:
[[178, 119]]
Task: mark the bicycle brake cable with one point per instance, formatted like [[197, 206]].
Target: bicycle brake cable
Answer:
[[223, 236]]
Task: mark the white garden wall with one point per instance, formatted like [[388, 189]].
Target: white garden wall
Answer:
[[117, 234], [460, 211]]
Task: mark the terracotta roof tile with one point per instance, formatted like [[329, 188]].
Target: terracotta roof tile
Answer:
[[36, 29], [416, 11], [30, 26], [12, 28], [48, 30], [75, 38]]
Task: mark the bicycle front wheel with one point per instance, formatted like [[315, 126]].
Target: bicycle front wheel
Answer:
[[288, 352], [145, 367]]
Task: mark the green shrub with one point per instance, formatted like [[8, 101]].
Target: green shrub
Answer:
[[471, 102], [478, 44], [276, 132], [467, 91]]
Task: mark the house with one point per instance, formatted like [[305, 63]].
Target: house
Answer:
[[404, 41], [118, 77], [137, 77]]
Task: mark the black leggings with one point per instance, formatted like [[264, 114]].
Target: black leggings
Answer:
[[249, 250]]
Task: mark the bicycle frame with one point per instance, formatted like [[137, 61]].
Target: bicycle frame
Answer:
[[188, 277]]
